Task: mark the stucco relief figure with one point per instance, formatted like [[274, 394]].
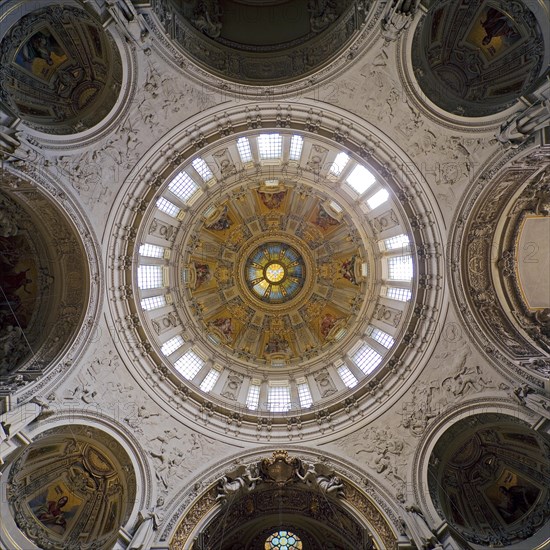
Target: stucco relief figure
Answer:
[[139, 417], [524, 124], [244, 482], [415, 523], [418, 412], [207, 18], [532, 400], [148, 522], [467, 380], [398, 17], [383, 452], [315, 478]]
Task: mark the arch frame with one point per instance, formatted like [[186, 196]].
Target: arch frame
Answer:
[[193, 508], [33, 174]]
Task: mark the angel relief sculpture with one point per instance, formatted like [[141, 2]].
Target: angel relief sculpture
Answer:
[[241, 481], [320, 477], [280, 470]]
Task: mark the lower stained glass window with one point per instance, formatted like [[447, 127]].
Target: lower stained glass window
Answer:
[[283, 540]]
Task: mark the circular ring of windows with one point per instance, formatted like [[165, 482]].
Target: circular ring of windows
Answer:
[[276, 271]]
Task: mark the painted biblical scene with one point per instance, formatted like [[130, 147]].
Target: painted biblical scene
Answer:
[[41, 54], [325, 218], [56, 507], [272, 200], [493, 33], [512, 496]]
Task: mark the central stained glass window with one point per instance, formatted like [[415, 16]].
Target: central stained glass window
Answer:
[[275, 272], [283, 540]]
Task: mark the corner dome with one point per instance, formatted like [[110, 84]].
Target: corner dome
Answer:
[[476, 58], [256, 42], [72, 487], [61, 71], [488, 477], [44, 279]]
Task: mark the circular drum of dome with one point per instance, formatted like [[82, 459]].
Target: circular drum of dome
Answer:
[[274, 274]]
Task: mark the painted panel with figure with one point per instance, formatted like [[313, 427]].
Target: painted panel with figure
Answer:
[[56, 507], [41, 54], [493, 32], [512, 496]]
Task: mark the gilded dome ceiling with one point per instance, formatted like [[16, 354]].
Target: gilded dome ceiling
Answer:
[[252, 269], [275, 274]]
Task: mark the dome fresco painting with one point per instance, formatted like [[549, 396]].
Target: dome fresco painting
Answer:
[[261, 43], [277, 273], [274, 274]]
